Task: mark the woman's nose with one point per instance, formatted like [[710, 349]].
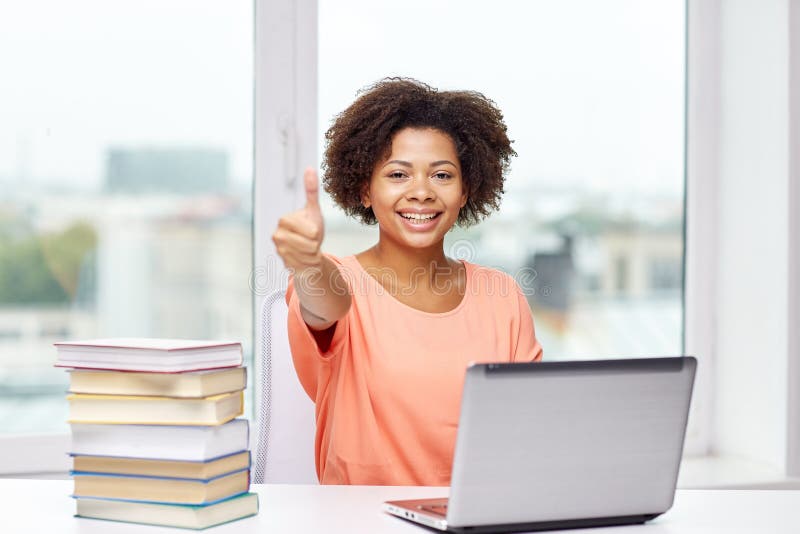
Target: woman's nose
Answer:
[[419, 188]]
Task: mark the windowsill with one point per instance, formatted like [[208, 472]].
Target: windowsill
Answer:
[[697, 472], [60, 475], [731, 472], [29, 454]]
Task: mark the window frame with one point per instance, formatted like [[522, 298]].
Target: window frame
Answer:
[[793, 367], [701, 138], [285, 140]]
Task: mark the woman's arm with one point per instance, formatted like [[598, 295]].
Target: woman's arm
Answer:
[[322, 290], [323, 294]]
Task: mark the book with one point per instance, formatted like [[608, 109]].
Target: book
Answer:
[[170, 515], [146, 354], [162, 468], [123, 409], [161, 442], [189, 384], [161, 490]]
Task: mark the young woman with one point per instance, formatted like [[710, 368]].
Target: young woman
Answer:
[[381, 339]]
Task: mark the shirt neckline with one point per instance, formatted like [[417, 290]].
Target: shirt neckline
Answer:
[[467, 283]]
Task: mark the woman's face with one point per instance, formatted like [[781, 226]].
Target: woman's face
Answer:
[[417, 192]]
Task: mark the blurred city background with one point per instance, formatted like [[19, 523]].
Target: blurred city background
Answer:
[[126, 168]]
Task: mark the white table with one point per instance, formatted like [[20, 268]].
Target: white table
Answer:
[[43, 506]]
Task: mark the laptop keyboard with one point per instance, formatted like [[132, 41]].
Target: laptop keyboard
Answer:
[[440, 509]]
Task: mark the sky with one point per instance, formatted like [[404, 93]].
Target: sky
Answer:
[[83, 75], [592, 91]]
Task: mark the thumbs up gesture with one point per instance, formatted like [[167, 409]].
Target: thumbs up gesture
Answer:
[[298, 238]]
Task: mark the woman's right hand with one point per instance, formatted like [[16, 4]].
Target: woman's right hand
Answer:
[[298, 238], [319, 282]]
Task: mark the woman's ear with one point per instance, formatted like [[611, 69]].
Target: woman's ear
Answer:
[[365, 201]]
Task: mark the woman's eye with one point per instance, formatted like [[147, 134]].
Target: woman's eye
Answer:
[[397, 175], [441, 176]]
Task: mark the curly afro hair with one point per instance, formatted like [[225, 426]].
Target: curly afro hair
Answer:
[[361, 137]]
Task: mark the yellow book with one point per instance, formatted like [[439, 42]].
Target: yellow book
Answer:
[[170, 515], [193, 384], [161, 490], [124, 409], [162, 468]]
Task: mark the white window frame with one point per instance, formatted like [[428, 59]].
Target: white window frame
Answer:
[[793, 367], [727, 82], [285, 140], [700, 234]]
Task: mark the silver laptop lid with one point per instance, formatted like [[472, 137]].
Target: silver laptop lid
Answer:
[[560, 440]]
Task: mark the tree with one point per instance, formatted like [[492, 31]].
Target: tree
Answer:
[[43, 269]]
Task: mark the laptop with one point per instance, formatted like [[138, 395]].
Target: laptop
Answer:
[[557, 445]]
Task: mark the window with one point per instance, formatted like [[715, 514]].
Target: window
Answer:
[[593, 95], [125, 166]]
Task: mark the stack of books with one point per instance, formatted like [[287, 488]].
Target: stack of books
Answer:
[[155, 438]]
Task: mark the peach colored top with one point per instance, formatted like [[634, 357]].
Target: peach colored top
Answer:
[[388, 389]]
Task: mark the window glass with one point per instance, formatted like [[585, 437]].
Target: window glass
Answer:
[[125, 183], [593, 95]]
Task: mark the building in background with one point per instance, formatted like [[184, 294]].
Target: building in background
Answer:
[[167, 170], [149, 255]]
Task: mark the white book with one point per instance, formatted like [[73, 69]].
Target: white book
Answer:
[[160, 442], [148, 354]]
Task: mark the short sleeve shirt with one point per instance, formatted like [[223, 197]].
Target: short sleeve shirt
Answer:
[[388, 388]]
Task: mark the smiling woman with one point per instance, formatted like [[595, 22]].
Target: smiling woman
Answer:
[[593, 95], [385, 358]]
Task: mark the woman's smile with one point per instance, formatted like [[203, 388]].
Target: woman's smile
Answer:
[[420, 220]]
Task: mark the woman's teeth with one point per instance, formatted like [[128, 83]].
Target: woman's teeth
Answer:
[[418, 216]]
